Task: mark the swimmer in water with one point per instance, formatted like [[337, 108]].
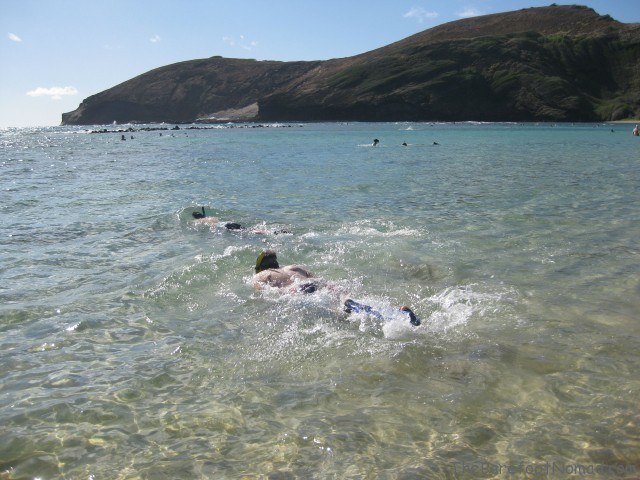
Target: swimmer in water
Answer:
[[202, 218], [298, 280], [375, 142]]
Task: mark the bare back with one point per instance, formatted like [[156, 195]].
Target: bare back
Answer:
[[281, 277]]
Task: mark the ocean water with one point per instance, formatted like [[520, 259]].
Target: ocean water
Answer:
[[134, 346]]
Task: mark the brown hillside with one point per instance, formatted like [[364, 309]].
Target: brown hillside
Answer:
[[558, 63]]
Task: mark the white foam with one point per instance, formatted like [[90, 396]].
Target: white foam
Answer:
[[391, 230], [455, 306]]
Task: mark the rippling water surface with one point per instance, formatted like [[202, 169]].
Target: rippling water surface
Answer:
[[133, 345]]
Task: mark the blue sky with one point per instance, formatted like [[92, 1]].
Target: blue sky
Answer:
[[55, 53]]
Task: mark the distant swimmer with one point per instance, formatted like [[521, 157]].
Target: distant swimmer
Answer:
[[404, 144], [436, 143], [375, 142], [299, 280], [636, 132]]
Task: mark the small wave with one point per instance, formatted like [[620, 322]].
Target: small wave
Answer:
[[206, 270], [390, 230]]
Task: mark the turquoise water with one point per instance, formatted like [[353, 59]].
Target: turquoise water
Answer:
[[133, 344]]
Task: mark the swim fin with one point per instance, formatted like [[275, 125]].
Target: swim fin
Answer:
[[351, 306]]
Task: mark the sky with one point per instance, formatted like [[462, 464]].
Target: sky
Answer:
[[56, 53]]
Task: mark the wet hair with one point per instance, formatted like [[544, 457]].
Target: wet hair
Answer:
[[266, 260], [233, 226], [198, 215]]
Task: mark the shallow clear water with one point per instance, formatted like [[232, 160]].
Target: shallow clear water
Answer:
[[133, 345]]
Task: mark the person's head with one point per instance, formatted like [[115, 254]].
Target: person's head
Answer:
[[199, 215], [266, 260]]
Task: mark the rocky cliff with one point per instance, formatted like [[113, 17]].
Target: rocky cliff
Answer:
[[557, 63]]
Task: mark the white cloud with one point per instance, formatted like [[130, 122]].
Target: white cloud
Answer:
[[56, 93], [155, 39], [14, 38], [250, 45], [469, 12], [420, 14], [241, 43]]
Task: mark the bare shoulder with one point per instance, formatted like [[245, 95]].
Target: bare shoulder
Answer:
[[296, 269]]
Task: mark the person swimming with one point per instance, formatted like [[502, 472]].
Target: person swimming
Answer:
[[299, 280], [201, 217], [375, 142]]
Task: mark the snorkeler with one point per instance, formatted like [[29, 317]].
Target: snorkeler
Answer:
[[202, 218], [298, 280]]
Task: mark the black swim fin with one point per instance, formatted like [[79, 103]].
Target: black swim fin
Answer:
[[413, 319], [351, 306]]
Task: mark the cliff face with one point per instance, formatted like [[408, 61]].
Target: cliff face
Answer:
[[188, 91], [558, 63]]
